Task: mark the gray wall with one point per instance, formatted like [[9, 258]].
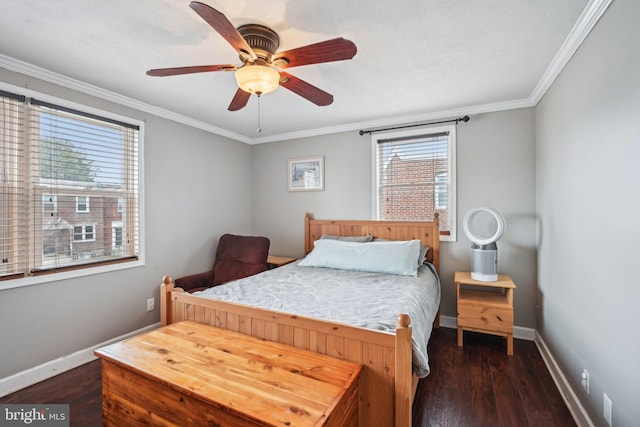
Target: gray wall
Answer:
[[495, 168], [588, 183], [564, 175], [197, 186]]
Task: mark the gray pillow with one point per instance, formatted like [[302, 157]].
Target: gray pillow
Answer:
[[422, 257], [357, 239]]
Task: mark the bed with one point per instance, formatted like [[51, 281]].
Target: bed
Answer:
[[390, 369]]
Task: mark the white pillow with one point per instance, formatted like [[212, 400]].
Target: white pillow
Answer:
[[392, 257]]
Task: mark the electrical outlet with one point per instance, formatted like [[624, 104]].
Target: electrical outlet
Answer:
[[151, 303], [585, 381], [607, 409]]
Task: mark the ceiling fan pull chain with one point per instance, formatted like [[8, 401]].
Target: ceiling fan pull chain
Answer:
[[259, 128]]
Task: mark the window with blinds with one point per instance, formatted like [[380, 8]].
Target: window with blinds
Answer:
[[415, 176], [70, 188]]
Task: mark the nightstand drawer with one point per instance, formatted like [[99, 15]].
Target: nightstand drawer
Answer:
[[485, 307], [485, 317]]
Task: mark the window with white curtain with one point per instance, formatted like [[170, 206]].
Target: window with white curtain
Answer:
[[69, 188], [414, 176]]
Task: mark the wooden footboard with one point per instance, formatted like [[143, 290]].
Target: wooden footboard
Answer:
[[388, 384]]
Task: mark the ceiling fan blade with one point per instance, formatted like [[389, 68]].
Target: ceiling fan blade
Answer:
[[337, 49], [239, 100], [164, 72], [305, 90], [222, 25]]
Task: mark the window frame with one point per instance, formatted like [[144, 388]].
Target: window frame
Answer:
[[86, 204], [84, 233], [437, 190], [53, 202], [445, 236], [116, 236], [11, 282]]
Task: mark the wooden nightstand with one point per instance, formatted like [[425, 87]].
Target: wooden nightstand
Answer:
[[275, 261], [485, 311]]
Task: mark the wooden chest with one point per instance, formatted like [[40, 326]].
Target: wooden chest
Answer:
[[189, 374]]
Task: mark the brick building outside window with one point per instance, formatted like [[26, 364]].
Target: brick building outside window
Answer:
[[415, 177]]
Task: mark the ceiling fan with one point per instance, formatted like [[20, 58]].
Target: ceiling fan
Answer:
[[260, 71]]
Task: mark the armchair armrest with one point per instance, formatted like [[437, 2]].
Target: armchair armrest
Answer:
[[195, 282]]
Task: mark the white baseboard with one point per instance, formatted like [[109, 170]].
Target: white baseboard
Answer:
[[580, 415], [519, 332], [54, 367], [449, 322]]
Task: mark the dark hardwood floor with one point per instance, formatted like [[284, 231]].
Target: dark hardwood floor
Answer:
[[478, 385], [81, 388]]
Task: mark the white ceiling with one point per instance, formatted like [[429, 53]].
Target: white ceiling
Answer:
[[417, 59]]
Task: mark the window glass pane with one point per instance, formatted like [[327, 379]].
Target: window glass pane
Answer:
[[81, 204], [82, 181], [413, 171], [117, 236], [441, 191], [88, 232], [74, 154], [49, 203], [77, 233]]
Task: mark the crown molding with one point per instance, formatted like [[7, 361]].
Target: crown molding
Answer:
[[591, 14], [34, 71], [589, 17], [394, 121]]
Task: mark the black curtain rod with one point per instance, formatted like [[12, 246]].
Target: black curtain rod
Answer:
[[82, 113], [458, 120]]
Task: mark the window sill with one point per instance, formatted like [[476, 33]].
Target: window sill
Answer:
[[67, 275]]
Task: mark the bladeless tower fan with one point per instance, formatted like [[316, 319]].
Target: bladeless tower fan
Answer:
[[484, 251]]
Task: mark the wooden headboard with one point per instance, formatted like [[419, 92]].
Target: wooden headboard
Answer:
[[427, 232]]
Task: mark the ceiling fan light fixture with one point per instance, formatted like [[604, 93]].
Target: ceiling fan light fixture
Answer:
[[258, 79]]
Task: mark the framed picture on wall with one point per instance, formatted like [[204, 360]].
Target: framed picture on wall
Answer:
[[306, 173]]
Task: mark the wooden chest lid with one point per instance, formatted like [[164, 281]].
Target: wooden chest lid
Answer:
[[267, 381]]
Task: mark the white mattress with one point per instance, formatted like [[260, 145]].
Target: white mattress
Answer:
[[368, 300]]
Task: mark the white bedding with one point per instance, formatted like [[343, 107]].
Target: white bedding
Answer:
[[369, 300]]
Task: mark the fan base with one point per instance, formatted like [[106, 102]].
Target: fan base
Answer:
[[263, 40]]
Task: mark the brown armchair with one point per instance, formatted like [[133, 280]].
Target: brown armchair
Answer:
[[236, 257]]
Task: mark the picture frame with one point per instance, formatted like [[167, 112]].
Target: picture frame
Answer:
[[306, 173]]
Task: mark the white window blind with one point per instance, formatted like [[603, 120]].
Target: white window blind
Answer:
[[13, 196], [71, 196], [414, 176]]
